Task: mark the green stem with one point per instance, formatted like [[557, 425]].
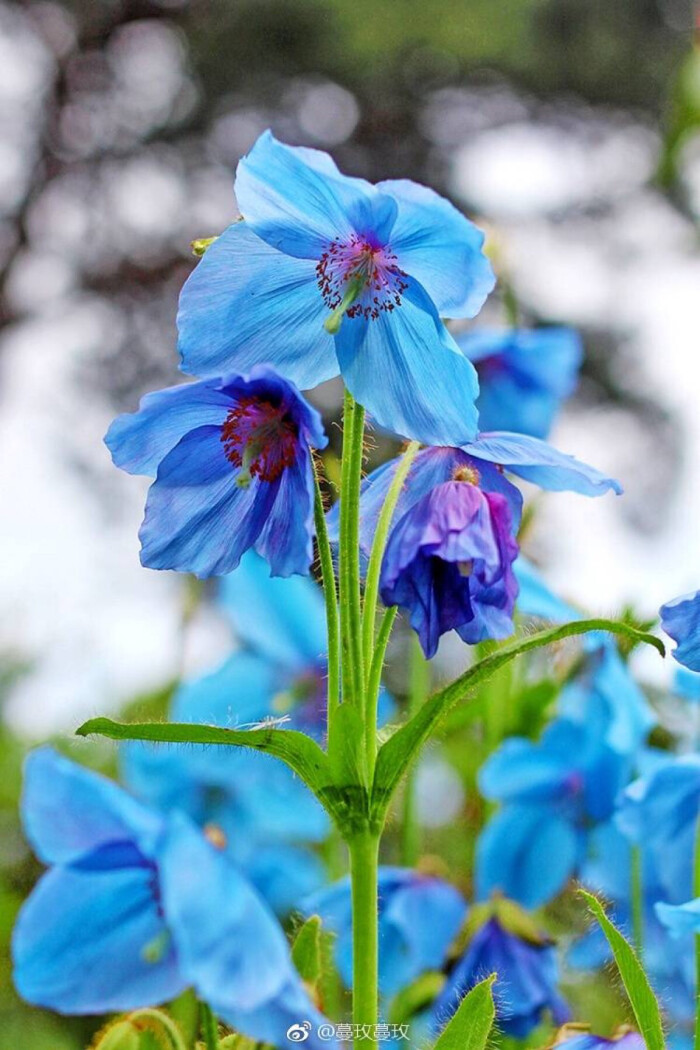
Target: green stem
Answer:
[[330, 594], [378, 547], [209, 1025], [696, 893], [637, 901], [373, 686], [349, 556], [418, 692], [364, 851]]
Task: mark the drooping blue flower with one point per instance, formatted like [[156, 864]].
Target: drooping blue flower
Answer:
[[660, 809], [526, 983], [419, 915], [232, 462], [377, 266], [524, 375], [680, 619], [136, 908], [553, 792], [448, 565]]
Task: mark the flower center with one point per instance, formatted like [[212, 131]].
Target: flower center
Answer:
[[362, 277], [466, 473], [260, 439]]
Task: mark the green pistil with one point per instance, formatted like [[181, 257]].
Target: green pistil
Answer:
[[355, 286], [154, 951], [250, 454]]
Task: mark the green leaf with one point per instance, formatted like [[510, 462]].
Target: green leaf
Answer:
[[470, 1026], [642, 998], [399, 751], [415, 997], [306, 950], [299, 751]]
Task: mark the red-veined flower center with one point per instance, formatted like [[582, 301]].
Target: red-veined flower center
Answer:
[[260, 438], [368, 271]]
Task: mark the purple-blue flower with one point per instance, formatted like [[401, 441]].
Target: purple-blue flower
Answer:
[[680, 619], [232, 463], [419, 916], [524, 375], [526, 984], [135, 908], [553, 793], [329, 274], [448, 564]]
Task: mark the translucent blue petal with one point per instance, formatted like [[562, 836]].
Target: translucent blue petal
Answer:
[[680, 619], [282, 619], [246, 304], [68, 811], [282, 874], [197, 518], [680, 919], [528, 853], [523, 770], [524, 374], [238, 693], [687, 684], [406, 370], [536, 599], [81, 943], [298, 204], [437, 245], [538, 462], [138, 441], [286, 538]]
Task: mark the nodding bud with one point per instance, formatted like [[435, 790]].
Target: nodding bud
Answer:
[[142, 1030]]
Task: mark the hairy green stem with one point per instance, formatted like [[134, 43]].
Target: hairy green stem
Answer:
[[419, 688], [210, 1028], [349, 556], [378, 547], [373, 686], [364, 853], [331, 597], [637, 889]]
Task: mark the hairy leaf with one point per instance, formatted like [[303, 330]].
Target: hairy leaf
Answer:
[[469, 1027]]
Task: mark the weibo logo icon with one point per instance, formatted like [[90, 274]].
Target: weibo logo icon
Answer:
[[298, 1033]]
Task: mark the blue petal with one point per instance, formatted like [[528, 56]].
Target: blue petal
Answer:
[[138, 441], [197, 518], [680, 919], [437, 245], [238, 693], [535, 598], [286, 538], [528, 853], [69, 811], [282, 874], [538, 462], [282, 619], [298, 204], [231, 947], [526, 771], [406, 370], [246, 304], [81, 943], [686, 684], [680, 619]]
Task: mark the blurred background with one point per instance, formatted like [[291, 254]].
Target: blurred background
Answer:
[[569, 128]]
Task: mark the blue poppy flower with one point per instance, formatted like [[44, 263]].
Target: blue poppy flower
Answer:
[[448, 565], [376, 266], [232, 462], [661, 809], [136, 908], [680, 619], [526, 984], [524, 375], [686, 684], [536, 599], [553, 793], [419, 915]]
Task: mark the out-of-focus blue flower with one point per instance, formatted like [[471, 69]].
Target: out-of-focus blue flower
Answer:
[[680, 619], [419, 915], [553, 793], [687, 684], [524, 375], [448, 565], [526, 985], [587, 1041], [232, 462], [536, 599], [377, 266], [136, 908], [680, 919], [661, 810]]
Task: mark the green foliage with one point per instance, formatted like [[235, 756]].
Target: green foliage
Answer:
[[471, 1025], [415, 997], [141, 1030], [642, 998], [307, 950]]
